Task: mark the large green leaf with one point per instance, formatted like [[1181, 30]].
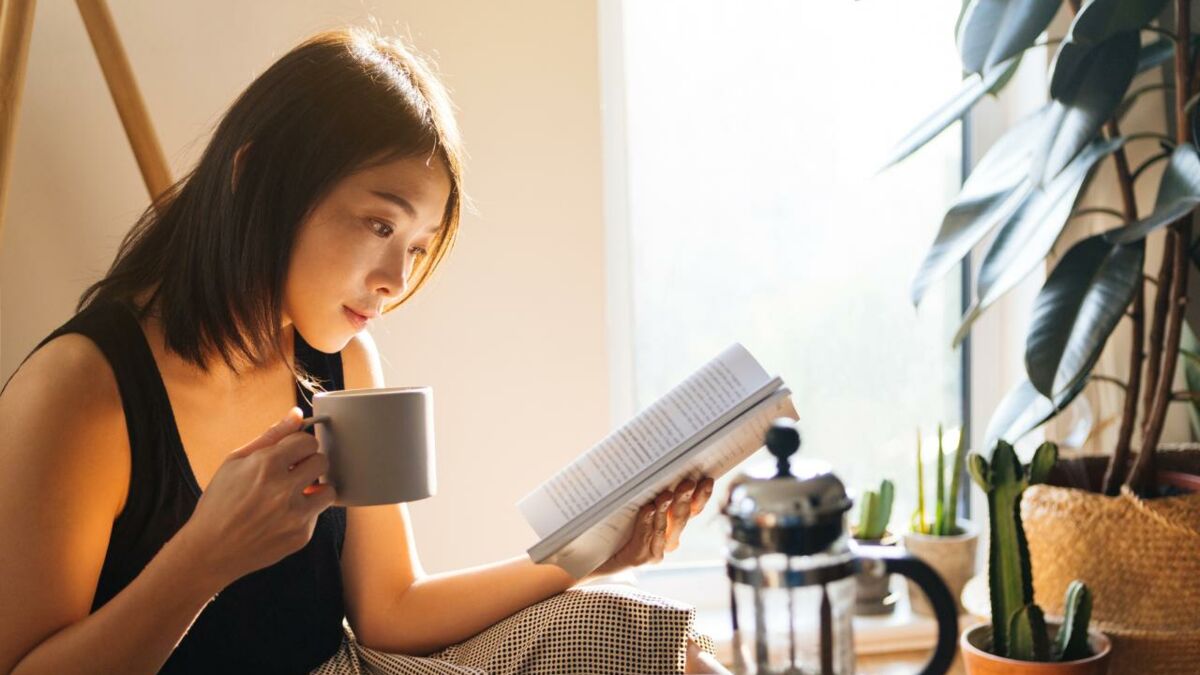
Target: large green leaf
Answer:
[[1025, 240], [1081, 302], [1099, 20], [1096, 80], [972, 89], [1154, 54], [1178, 195], [1024, 409], [1189, 348], [994, 190], [992, 31]]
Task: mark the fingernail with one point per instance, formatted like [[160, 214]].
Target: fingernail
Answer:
[[686, 496], [664, 505]]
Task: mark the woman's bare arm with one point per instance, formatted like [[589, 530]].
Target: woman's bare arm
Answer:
[[441, 609], [64, 469]]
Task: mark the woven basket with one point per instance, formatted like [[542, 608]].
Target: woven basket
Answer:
[[1140, 558]]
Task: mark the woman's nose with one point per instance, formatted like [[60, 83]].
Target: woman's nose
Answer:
[[394, 278]]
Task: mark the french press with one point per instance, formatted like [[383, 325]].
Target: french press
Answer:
[[792, 572]]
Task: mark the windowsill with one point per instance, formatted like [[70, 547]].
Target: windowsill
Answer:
[[705, 586]]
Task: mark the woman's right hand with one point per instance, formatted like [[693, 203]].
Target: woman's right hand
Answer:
[[260, 505]]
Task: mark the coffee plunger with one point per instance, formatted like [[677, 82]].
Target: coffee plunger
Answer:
[[792, 570]]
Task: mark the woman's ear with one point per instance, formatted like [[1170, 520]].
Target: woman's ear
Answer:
[[237, 166]]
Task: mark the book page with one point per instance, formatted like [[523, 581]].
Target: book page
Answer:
[[714, 457], [678, 415]]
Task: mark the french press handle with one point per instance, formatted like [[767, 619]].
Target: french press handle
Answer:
[[890, 560]]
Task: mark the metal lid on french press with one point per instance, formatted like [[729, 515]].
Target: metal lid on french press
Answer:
[[787, 513]]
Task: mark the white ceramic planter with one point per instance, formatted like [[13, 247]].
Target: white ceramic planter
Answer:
[[953, 558]]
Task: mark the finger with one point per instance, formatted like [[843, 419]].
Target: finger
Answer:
[[317, 498], [285, 426], [292, 450], [660, 529], [638, 547], [309, 469], [684, 488], [701, 495], [681, 509]]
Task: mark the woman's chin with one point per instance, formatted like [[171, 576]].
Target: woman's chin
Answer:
[[328, 342]]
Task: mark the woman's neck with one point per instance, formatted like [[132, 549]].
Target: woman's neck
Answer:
[[219, 377]]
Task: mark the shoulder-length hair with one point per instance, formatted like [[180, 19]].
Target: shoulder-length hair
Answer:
[[341, 101]]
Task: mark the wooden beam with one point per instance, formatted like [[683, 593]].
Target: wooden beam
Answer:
[[14, 54], [130, 106]]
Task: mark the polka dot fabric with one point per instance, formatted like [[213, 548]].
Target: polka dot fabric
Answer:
[[591, 629]]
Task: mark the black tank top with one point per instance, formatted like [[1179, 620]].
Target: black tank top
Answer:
[[283, 618]]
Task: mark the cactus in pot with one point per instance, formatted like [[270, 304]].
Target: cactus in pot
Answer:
[[872, 593], [875, 512], [1018, 625]]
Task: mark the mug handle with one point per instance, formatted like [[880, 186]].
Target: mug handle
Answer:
[[945, 610], [313, 421]]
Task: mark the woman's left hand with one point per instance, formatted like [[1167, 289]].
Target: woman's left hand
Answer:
[[658, 525]]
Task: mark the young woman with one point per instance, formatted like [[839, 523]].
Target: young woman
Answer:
[[147, 520]]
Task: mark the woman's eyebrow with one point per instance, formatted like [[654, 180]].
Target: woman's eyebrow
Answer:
[[397, 200]]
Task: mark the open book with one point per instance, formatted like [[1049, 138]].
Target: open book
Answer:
[[704, 426]]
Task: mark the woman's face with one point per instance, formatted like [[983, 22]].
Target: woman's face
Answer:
[[355, 253]]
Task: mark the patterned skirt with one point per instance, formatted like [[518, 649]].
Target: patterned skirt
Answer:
[[602, 628]]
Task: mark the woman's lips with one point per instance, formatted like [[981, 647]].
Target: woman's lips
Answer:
[[357, 320]]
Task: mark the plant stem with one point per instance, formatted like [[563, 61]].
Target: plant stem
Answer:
[[1115, 471], [1151, 135], [1148, 163], [939, 507], [1092, 210], [1157, 324], [1178, 240], [920, 488], [1110, 379]]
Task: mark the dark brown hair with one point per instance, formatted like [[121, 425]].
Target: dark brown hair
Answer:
[[341, 101]]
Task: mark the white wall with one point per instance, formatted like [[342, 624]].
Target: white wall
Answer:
[[510, 334]]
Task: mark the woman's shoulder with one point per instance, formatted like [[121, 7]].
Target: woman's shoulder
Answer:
[[361, 367], [62, 409], [69, 367]]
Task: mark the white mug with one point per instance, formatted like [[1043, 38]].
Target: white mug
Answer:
[[379, 443]]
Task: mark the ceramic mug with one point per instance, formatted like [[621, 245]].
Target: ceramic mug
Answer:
[[379, 443]]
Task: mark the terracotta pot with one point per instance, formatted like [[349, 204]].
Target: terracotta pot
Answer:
[[978, 660], [952, 557]]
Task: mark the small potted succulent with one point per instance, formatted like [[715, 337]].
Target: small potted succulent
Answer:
[[872, 593], [1020, 639], [941, 539]]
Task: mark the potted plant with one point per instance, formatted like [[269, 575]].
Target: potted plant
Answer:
[[872, 594], [1019, 639], [1033, 180], [944, 542]]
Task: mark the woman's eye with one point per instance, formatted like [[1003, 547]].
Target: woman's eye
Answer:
[[381, 228], [417, 250]]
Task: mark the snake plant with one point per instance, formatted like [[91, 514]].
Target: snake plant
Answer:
[[945, 502]]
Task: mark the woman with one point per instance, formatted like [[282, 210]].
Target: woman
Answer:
[[169, 531]]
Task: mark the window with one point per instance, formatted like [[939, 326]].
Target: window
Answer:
[[743, 141]]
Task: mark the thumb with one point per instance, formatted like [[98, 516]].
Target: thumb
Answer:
[[289, 424]]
